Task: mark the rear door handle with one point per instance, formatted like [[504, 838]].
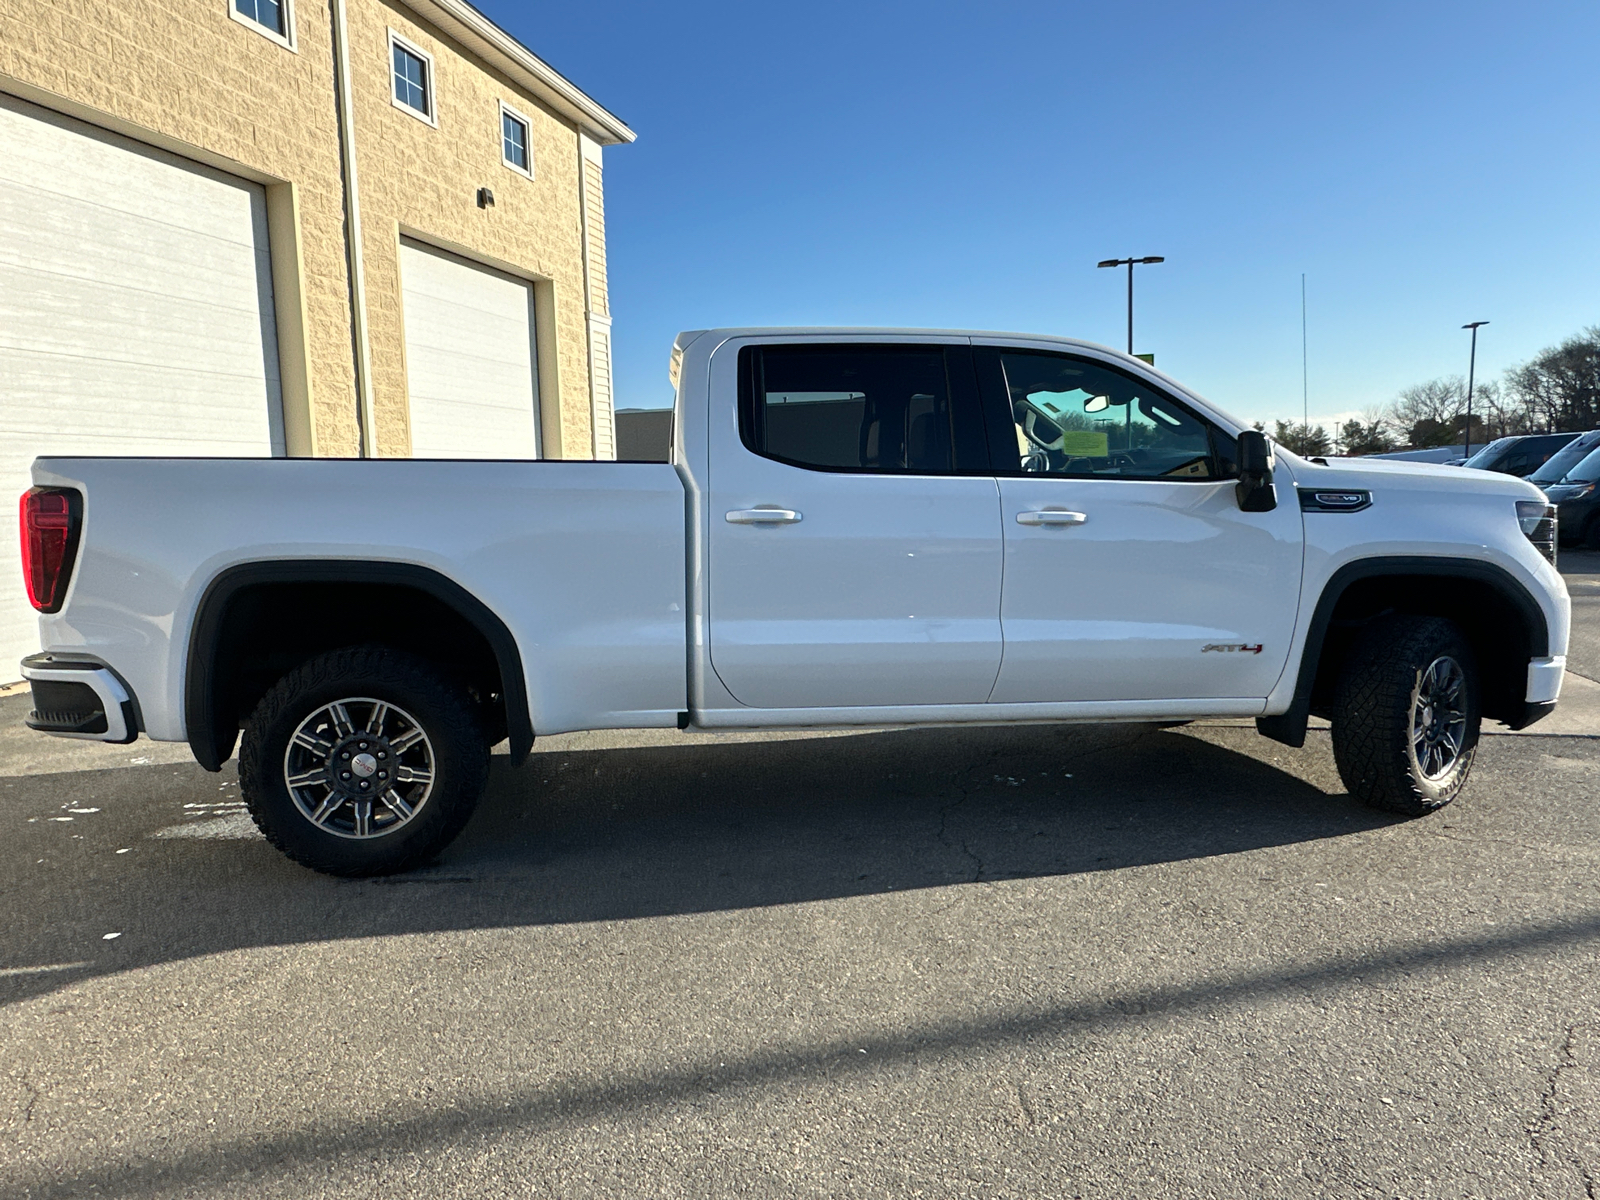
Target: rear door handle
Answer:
[[763, 516], [1051, 516]]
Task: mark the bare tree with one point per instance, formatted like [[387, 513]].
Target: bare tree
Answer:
[[1435, 413], [1560, 388]]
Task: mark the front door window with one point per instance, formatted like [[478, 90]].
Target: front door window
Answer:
[[1075, 417]]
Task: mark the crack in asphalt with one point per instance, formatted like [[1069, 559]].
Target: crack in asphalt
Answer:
[[945, 810], [975, 779], [1547, 1125]]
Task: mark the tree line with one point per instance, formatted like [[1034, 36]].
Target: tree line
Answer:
[[1557, 391]]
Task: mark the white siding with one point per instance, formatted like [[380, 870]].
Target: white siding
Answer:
[[135, 314], [603, 416], [470, 358]]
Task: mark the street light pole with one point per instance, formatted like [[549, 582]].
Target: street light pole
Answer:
[[1129, 263], [1472, 367]]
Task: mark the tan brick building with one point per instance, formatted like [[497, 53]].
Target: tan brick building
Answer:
[[266, 227]]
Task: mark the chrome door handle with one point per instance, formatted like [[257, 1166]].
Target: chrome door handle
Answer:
[[763, 516], [1051, 516]]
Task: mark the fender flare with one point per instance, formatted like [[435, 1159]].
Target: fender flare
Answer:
[[1290, 727], [211, 733]]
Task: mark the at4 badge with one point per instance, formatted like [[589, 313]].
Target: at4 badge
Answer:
[[1230, 648]]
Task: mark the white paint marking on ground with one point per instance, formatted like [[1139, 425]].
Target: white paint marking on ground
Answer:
[[18, 972], [109, 937], [237, 826]]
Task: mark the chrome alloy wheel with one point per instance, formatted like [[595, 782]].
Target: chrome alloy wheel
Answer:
[[1439, 718], [359, 767]]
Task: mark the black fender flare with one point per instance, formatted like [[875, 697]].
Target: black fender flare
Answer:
[[211, 733], [1290, 727]]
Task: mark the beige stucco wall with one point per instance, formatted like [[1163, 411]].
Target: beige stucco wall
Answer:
[[183, 75], [424, 180]]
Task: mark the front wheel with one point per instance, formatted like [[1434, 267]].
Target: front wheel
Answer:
[[1405, 725], [363, 762]]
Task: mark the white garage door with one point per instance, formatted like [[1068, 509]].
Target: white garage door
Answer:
[[469, 358], [135, 315]]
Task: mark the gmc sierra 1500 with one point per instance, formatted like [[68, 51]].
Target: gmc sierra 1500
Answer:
[[882, 527]]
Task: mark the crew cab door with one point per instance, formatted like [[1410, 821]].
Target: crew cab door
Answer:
[[1130, 571], [854, 548]]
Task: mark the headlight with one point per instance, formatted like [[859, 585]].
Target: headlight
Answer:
[[1538, 521]]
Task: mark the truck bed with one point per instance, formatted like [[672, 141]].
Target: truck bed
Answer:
[[582, 561]]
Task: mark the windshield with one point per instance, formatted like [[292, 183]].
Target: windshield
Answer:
[[1488, 454], [1586, 471], [1562, 461]]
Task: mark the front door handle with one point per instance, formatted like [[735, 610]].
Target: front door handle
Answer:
[[763, 516], [1051, 516]]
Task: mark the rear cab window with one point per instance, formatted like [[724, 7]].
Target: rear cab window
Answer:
[[901, 409]]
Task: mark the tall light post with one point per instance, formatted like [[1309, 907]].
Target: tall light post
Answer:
[[1129, 263], [1472, 366]]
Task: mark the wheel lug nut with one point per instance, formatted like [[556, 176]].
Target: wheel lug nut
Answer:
[[365, 785], [344, 774], [363, 745], [383, 754]]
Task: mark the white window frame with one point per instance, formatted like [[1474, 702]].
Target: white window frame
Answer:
[[431, 117], [285, 39], [527, 129]]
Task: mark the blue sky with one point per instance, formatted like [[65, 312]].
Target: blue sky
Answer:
[[966, 165]]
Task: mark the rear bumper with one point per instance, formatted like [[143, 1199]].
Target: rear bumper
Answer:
[[77, 698]]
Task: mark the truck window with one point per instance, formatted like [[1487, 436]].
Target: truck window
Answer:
[[848, 408], [1072, 416]]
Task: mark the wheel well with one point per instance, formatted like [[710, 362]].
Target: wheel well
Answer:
[[261, 622], [1494, 623]]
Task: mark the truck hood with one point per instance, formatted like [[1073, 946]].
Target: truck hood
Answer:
[[1371, 474]]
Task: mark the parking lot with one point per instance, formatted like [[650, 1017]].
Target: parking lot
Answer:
[[1037, 961]]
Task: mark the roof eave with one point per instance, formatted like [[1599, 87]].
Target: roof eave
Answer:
[[482, 36]]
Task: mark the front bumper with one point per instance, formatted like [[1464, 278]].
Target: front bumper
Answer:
[[76, 698]]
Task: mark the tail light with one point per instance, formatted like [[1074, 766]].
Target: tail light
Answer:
[[51, 520]]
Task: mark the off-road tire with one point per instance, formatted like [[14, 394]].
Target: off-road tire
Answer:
[[440, 708], [1373, 714]]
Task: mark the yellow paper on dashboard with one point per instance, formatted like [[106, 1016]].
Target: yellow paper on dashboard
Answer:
[[1085, 443]]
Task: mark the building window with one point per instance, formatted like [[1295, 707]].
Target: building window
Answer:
[[412, 75], [270, 17], [515, 151]]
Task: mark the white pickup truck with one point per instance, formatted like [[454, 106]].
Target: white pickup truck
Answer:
[[857, 527]]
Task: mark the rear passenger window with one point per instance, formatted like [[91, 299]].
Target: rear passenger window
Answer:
[[848, 408]]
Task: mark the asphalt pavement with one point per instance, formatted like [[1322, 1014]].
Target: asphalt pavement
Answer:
[[1097, 961]]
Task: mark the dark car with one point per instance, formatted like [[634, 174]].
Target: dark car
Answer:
[[1578, 505], [1520, 456], [1564, 459]]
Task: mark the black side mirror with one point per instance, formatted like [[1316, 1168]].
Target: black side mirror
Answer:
[[1254, 489]]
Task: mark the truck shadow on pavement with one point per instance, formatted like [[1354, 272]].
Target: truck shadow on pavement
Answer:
[[640, 832]]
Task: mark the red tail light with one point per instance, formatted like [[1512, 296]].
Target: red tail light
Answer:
[[51, 518]]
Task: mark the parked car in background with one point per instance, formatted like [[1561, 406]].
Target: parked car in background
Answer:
[[1577, 505], [1564, 459], [1521, 455]]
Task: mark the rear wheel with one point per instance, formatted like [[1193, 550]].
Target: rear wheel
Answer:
[[363, 762], [1405, 726]]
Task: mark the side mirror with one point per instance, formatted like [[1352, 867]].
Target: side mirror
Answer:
[[1254, 489]]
